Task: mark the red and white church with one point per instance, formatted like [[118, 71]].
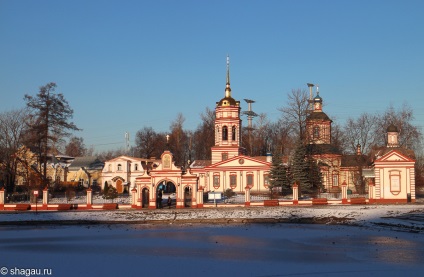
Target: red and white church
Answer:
[[392, 178], [229, 168]]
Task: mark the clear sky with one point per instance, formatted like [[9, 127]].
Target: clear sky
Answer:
[[124, 65]]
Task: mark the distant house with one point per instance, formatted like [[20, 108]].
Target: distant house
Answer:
[[30, 173], [122, 171], [85, 171]]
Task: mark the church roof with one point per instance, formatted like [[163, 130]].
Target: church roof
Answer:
[[91, 163], [318, 116], [320, 149], [392, 128], [381, 151], [200, 163], [354, 160]]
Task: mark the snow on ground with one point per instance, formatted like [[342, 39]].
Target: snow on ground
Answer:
[[382, 240], [409, 217]]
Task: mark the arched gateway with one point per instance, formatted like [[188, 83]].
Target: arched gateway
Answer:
[[168, 180]]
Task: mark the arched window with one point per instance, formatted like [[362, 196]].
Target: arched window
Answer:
[[335, 179], [110, 168], [316, 132], [233, 133], [119, 167], [225, 133]]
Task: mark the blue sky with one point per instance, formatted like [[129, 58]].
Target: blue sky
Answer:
[[124, 65]]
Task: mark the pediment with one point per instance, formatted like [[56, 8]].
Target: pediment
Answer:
[[394, 156], [240, 161], [121, 159]]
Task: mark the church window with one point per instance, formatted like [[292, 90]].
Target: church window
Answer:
[[119, 167], [266, 179], [224, 156], [233, 133], [216, 180], [110, 168], [135, 167], [225, 133], [233, 180], [249, 179], [335, 179], [316, 132], [395, 181]]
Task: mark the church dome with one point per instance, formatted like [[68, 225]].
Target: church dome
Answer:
[[318, 99], [392, 128], [227, 101]]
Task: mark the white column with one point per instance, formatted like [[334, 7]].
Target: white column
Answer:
[[89, 197], [247, 196], [295, 194]]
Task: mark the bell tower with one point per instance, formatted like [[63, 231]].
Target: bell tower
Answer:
[[318, 124], [227, 125]]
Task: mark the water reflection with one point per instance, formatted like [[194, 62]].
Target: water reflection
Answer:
[[309, 244]]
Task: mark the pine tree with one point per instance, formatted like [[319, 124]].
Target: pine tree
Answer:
[[278, 174], [305, 171], [105, 188], [315, 175]]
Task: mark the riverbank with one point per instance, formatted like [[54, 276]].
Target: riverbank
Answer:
[[403, 217]]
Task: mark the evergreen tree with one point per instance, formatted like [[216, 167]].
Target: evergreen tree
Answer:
[[278, 177], [315, 176], [105, 188], [305, 171], [111, 193]]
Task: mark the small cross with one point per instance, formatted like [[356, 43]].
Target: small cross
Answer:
[[167, 138]]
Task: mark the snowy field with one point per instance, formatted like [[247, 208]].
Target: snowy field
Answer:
[[380, 240]]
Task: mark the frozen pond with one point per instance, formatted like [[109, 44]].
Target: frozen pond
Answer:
[[204, 250]]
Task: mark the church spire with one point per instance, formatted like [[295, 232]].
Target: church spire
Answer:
[[227, 86]]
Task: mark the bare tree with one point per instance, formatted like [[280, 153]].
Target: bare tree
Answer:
[[296, 111], [12, 133], [204, 136], [76, 147], [338, 137], [280, 138], [178, 141], [409, 135], [110, 154], [360, 131], [261, 134], [51, 114], [146, 142]]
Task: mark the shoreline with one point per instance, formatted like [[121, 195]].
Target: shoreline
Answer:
[[401, 217]]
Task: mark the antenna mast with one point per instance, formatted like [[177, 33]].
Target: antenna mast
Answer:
[[250, 115], [127, 142], [311, 97]]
